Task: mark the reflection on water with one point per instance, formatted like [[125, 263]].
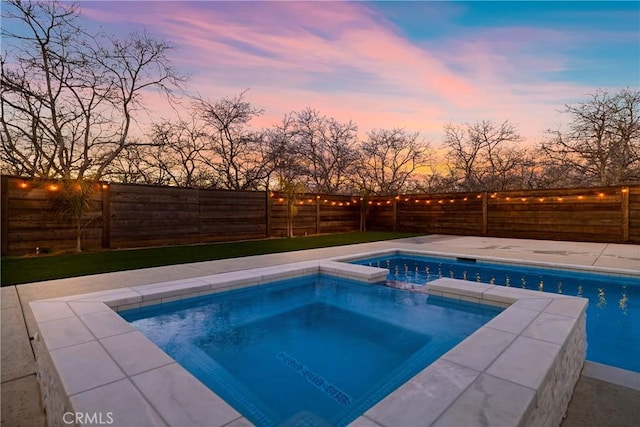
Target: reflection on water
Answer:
[[406, 271], [623, 302], [613, 314], [602, 301]]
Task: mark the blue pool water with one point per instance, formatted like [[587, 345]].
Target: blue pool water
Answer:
[[613, 315], [308, 351]]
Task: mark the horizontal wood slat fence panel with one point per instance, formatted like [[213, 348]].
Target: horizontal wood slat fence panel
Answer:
[[31, 221], [125, 216], [315, 214], [606, 214], [154, 216]]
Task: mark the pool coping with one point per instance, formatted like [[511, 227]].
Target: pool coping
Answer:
[[92, 361]]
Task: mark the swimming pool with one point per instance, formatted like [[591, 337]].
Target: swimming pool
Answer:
[[316, 349], [613, 314]]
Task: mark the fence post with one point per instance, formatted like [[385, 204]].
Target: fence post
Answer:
[[394, 225], [624, 205], [198, 193], [267, 213], [5, 215], [106, 215], [317, 214], [485, 213]]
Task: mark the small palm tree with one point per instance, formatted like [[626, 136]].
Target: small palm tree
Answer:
[[365, 195], [72, 199], [292, 189]]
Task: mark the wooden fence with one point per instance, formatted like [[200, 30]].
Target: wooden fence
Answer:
[[315, 214], [607, 214], [125, 216], [31, 222]]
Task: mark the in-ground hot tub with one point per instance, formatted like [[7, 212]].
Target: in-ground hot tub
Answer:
[[518, 369], [316, 348]]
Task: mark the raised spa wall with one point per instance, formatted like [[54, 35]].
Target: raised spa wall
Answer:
[[519, 369]]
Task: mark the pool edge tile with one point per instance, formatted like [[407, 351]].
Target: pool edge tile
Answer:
[[183, 400]]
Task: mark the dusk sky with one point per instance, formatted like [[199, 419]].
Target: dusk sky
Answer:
[[416, 65]]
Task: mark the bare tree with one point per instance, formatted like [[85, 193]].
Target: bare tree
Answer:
[[483, 155], [179, 147], [69, 98], [141, 163], [282, 152], [602, 142], [326, 149], [388, 158], [237, 155]]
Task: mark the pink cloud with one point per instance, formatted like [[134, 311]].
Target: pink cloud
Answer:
[[350, 63]]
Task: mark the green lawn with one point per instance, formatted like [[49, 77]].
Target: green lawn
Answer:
[[16, 270]]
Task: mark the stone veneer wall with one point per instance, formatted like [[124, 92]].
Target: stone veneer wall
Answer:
[[54, 398], [556, 391]]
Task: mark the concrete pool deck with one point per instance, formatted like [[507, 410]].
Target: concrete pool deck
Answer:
[[20, 395]]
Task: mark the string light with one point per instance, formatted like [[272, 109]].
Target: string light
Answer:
[[354, 201], [23, 185], [53, 187]]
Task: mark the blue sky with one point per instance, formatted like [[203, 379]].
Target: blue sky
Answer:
[[416, 65], [602, 44]]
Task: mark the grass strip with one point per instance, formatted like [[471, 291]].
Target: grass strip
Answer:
[[17, 270]]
